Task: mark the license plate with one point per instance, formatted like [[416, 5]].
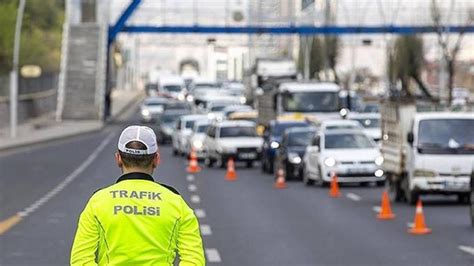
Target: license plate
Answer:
[[356, 170], [248, 155]]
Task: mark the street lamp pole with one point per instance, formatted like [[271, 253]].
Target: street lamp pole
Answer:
[[14, 72]]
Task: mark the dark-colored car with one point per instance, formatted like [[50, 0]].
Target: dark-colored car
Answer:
[[289, 156], [166, 123], [271, 141], [178, 106]]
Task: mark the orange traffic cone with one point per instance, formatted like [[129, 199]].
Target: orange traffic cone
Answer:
[[280, 182], [334, 190], [419, 226], [193, 164], [231, 175], [386, 211]]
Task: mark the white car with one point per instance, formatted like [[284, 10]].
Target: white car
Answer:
[[340, 124], [152, 107], [184, 128], [173, 86], [349, 153], [232, 139], [195, 141], [370, 122]]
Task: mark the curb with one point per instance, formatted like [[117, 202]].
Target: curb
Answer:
[[58, 137]]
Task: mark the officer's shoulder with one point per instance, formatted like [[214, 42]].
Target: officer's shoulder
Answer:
[[172, 189]]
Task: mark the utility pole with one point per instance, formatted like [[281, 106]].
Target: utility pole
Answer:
[[14, 72]]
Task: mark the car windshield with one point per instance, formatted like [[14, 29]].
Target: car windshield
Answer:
[[237, 131], [154, 103], [347, 141], [172, 88], [189, 124], [177, 106], [368, 122], [342, 126], [202, 128], [371, 108], [206, 85], [300, 138], [217, 108], [446, 136], [311, 102], [279, 128], [169, 118]]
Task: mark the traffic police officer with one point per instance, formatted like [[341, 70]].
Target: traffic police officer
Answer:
[[137, 221]]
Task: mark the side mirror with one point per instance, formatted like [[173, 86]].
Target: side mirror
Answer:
[[410, 138]]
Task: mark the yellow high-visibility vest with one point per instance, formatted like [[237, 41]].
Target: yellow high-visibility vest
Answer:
[[137, 222]]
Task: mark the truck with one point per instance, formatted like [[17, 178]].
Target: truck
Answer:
[[308, 100], [426, 153], [265, 70]]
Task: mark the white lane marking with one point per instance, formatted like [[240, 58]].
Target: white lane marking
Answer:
[[200, 213], [410, 225], [376, 209], [467, 249], [192, 187], [206, 230], [59, 187], [195, 199], [213, 255], [190, 178], [353, 196]]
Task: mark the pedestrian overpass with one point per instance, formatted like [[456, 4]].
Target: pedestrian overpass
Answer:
[[85, 84]]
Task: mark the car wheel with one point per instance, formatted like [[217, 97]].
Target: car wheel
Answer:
[[263, 165], [271, 167], [249, 164], [394, 191], [306, 179], [322, 182], [208, 161], [411, 196], [463, 198], [220, 162]]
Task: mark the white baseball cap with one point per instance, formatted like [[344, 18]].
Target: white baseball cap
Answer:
[[142, 134]]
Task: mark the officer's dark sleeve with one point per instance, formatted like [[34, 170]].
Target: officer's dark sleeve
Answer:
[[87, 238], [189, 239]]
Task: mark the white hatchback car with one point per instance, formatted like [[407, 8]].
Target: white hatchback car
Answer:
[[236, 139], [184, 128], [196, 139], [349, 153], [370, 122], [340, 124]]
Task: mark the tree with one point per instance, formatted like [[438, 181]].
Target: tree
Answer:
[[40, 36], [449, 52], [316, 63], [331, 49], [406, 61]]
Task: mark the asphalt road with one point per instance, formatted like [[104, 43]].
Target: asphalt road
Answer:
[[245, 222]]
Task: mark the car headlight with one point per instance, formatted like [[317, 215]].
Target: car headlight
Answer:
[[197, 144], [181, 97], [243, 100], [189, 98], [145, 112], [424, 173], [330, 162], [167, 130], [294, 158], [274, 145], [379, 160]]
